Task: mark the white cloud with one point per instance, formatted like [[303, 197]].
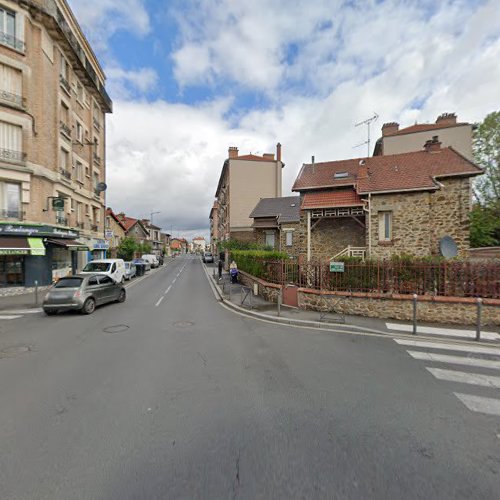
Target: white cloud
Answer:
[[100, 19], [407, 62], [123, 84]]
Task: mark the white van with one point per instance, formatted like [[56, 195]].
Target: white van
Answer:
[[114, 268], [152, 259]]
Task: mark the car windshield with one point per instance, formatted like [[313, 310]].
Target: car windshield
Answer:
[[69, 283], [127, 265], [97, 267]]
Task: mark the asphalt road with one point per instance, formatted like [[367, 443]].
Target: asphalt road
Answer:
[[177, 397]]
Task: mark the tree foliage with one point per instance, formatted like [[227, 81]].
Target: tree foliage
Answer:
[[127, 248], [485, 216]]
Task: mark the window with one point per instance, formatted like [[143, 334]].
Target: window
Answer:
[[106, 280], [64, 113], [10, 200], [73, 204], [289, 238], [8, 32], [11, 137], [79, 132], [79, 92], [270, 239], [93, 281], [64, 74], [95, 182], [78, 171], [78, 212], [385, 226], [64, 160], [11, 85]]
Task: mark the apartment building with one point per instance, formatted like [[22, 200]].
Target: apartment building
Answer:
[[53, 105], [244, 180]]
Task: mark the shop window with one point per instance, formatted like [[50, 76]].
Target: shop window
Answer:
[[11, 270], [61, 259]]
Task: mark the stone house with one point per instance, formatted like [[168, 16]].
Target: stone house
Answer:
[[115, 231], [134, 228], [276, 221], [386, 205]]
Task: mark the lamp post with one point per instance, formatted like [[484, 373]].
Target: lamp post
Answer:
[[151, 218]]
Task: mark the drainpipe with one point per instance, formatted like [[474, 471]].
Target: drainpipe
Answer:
[[308, 236], [369, 225]]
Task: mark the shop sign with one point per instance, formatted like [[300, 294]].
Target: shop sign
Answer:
[[108, 235], [100, 244], [58, 204], [13, 251], [41, 230], [336, 267]]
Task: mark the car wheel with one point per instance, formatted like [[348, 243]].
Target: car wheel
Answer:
[[88, 306], [122, 296], [50, 312]]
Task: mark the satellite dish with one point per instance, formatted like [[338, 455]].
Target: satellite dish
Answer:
[[448, 247], [101, 187]]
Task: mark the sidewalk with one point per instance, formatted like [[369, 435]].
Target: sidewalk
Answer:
[[241, 299]]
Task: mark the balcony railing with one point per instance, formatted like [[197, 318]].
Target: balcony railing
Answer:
[[10, 155], [11, 41], [62, 221], [80, 225], [13, 99], [64, 83], [11, 214], [97, 158], [97, 124], [65, 129], [94, 227], [65, 173]]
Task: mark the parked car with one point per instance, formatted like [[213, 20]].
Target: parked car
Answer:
[[114, 268], [208, 257], [130, 270], [83, 292], [152, 259]]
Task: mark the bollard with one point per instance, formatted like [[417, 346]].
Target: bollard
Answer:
[[230, 290], [36, 293], [279, 303], [414, 314], [478, 319]]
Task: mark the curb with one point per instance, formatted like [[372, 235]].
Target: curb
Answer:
[[317, 325]]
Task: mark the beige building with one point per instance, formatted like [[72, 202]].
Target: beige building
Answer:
[[243, 181], [452, 133], [52, 143], [115, 232], [214, 226]]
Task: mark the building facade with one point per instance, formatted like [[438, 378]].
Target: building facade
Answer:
[[214, 227], [53, 105], [245, 179], [115, 231]]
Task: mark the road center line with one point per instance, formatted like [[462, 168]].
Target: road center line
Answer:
[[174, 280], [159, 300], [168, 289]]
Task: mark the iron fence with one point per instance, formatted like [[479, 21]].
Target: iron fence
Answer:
[[447, 278]]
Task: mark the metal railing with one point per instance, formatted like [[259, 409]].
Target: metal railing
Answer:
[[94, 227], [11, 155], [63, 221], [97, 158], [447, 278], [11, 41], [80, 225], [351, 251], [64, 83], [13, 99], [11, 214], [65, 173], [65, 128]]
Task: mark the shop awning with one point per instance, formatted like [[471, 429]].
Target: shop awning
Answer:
[[19, 245], [69, 244]]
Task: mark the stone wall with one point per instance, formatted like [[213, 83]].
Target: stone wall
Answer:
[[460, 311], [268, 291], [280, 238], [243, 236], [420, 220]]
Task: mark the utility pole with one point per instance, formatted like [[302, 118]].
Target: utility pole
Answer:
[[367, 122]]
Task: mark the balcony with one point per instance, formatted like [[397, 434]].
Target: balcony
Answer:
[[97, 124], [97, 158], [65, 173], [65, 84], [11, 41], [65, 129], [12, 99], [11, 214], [62, 221], [80, 225], [12, 156]]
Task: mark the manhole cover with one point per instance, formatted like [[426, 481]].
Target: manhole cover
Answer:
[[14, 350], [116, 329], [183, 324]]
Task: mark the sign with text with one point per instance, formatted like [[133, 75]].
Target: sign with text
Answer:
[[36, 230], [58, 204], [336, 267]]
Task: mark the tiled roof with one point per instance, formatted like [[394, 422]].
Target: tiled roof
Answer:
[[331, 199], [400, 172], [286, 208], [128, 222], [110, 213], [425, 127]]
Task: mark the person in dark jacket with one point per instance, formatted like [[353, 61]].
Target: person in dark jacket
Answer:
[[221, 264]]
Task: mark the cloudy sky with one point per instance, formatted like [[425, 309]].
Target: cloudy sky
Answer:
[[189, 78]]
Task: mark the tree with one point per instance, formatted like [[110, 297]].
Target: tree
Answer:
[[127, 248], [485, 216], [144, 248]]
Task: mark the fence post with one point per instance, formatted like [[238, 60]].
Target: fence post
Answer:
[[415, 314], [279, 301], [36, 293], [478, 319]]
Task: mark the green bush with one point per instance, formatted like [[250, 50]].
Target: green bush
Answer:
[[257, 262]]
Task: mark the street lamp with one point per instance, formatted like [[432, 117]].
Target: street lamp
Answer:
[[151, 218]]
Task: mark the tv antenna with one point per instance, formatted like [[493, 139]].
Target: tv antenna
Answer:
[[367, 122]]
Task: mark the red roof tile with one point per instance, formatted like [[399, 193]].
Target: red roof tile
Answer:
[[400, 172], [425, 127], [331, 199]]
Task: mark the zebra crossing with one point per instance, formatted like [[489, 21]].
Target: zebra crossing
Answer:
[[457, 333], [473, 366], [18, 313]]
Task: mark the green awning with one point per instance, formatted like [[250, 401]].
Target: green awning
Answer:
[[37, 247]]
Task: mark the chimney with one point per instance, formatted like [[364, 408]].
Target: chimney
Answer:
[[389, 128], [363, 170], [433, 145], [232, 152], [121, 215], [447, 119], [278, 152]]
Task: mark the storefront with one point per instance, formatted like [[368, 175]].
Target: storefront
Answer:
[[38, 253], [99, 248]]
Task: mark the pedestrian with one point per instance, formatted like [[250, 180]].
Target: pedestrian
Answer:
[[233, 272], [220, 269]]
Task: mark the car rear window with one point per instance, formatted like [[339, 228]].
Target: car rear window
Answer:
[[69, 283], [96, 267]]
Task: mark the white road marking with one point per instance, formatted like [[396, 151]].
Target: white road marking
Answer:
[[448, 332], [10, 317], [490, 406], [168, 289], [458, 360], [24, 311], [450, 347], [174, 280], [159, 300], [466, 378]]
